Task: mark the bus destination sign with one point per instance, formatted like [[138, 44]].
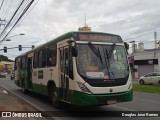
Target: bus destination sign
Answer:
[[98, 37]]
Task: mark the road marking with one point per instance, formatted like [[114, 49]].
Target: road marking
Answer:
[[123, 108], [148, 100]]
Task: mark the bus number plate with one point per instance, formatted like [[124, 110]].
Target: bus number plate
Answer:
[[110, 102]]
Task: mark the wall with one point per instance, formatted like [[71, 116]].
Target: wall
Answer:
[[146, 55], [145, 62]]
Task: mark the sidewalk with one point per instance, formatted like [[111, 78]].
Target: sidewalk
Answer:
[[9, 102], [135, 80]]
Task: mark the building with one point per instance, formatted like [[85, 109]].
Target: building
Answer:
[[145, 60], [6, 67]]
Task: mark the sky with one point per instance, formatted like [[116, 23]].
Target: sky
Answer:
[[131, 19]]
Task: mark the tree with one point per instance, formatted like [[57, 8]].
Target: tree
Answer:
[[126, 46], [5, 58]]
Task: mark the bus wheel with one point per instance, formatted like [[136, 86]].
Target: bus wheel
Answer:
[[54, 99]]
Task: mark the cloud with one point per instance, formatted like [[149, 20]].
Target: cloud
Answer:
[[51, 18]]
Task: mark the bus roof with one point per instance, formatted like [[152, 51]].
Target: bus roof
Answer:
[[61, 38]]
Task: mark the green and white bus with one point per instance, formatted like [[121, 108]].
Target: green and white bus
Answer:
[[79, 68]]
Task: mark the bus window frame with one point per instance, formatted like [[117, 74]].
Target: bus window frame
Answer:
[[35, 59], [23, 62], [42, 62], [53, 57]]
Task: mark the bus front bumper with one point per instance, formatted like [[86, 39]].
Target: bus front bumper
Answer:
[[83, 99]]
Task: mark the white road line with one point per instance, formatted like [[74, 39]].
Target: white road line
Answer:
[[123, 108], [154, 101]]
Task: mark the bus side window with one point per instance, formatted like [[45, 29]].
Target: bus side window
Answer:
[[15, 66], [39, 59], [51, 55], [35, 60], [23, 62], [42, 58], [66, 60], [18, 63], [70, 63]]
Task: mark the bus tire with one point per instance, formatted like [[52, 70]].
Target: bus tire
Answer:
[[54, 99]]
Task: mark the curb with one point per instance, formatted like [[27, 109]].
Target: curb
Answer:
[[30, 103]]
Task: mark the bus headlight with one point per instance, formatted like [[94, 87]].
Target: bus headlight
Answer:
[[83, 88]]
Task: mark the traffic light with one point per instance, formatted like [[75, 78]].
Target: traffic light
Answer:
[[20, 47], [33, 46], [5, 49]]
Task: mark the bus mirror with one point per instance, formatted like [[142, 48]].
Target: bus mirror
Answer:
[[74, 51]]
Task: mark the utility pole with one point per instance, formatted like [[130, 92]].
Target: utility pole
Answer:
[[155, 38]]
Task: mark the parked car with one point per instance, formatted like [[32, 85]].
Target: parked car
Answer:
[[3, 75], [150, 78]]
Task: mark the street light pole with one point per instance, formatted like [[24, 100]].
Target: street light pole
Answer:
[[6, 39], [13, 36], [16, 35]]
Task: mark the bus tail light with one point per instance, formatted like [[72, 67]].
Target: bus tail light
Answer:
[[83, 88]]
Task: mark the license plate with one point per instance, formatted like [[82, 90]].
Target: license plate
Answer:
[[110, 102]]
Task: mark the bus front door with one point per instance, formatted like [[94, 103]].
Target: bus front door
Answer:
[[64, 67]]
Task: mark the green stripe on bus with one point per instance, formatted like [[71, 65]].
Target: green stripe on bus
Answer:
[[40, 89], [83, 99]]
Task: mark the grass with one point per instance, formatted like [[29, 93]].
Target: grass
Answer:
[[147, 88]]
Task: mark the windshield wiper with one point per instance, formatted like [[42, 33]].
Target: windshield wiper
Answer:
[[95, 51], [107, 61], [111, 50], [109, 54]]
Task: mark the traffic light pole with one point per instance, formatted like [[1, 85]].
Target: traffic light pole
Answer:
[[15, 47]]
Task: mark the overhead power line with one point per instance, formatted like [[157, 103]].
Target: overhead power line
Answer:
[[11, 19], [24, 11], [29, 12], [138, 36], [16, 17], [1, 4]]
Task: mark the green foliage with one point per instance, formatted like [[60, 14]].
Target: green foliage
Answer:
[[5, 58], [147, 88]]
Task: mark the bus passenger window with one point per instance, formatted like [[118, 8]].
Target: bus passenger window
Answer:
[[23, 62], [35, 60], [42, 58], [15, 67], [66, 61], [39, 59], [51, 55]]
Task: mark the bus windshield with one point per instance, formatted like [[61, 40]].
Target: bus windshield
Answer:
[[102, 61]]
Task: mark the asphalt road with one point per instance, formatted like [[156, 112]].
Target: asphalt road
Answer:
[[141, 102]]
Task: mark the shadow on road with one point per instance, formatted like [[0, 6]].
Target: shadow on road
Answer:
[[67, 110]]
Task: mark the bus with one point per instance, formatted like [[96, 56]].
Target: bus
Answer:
[[78, 68]]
